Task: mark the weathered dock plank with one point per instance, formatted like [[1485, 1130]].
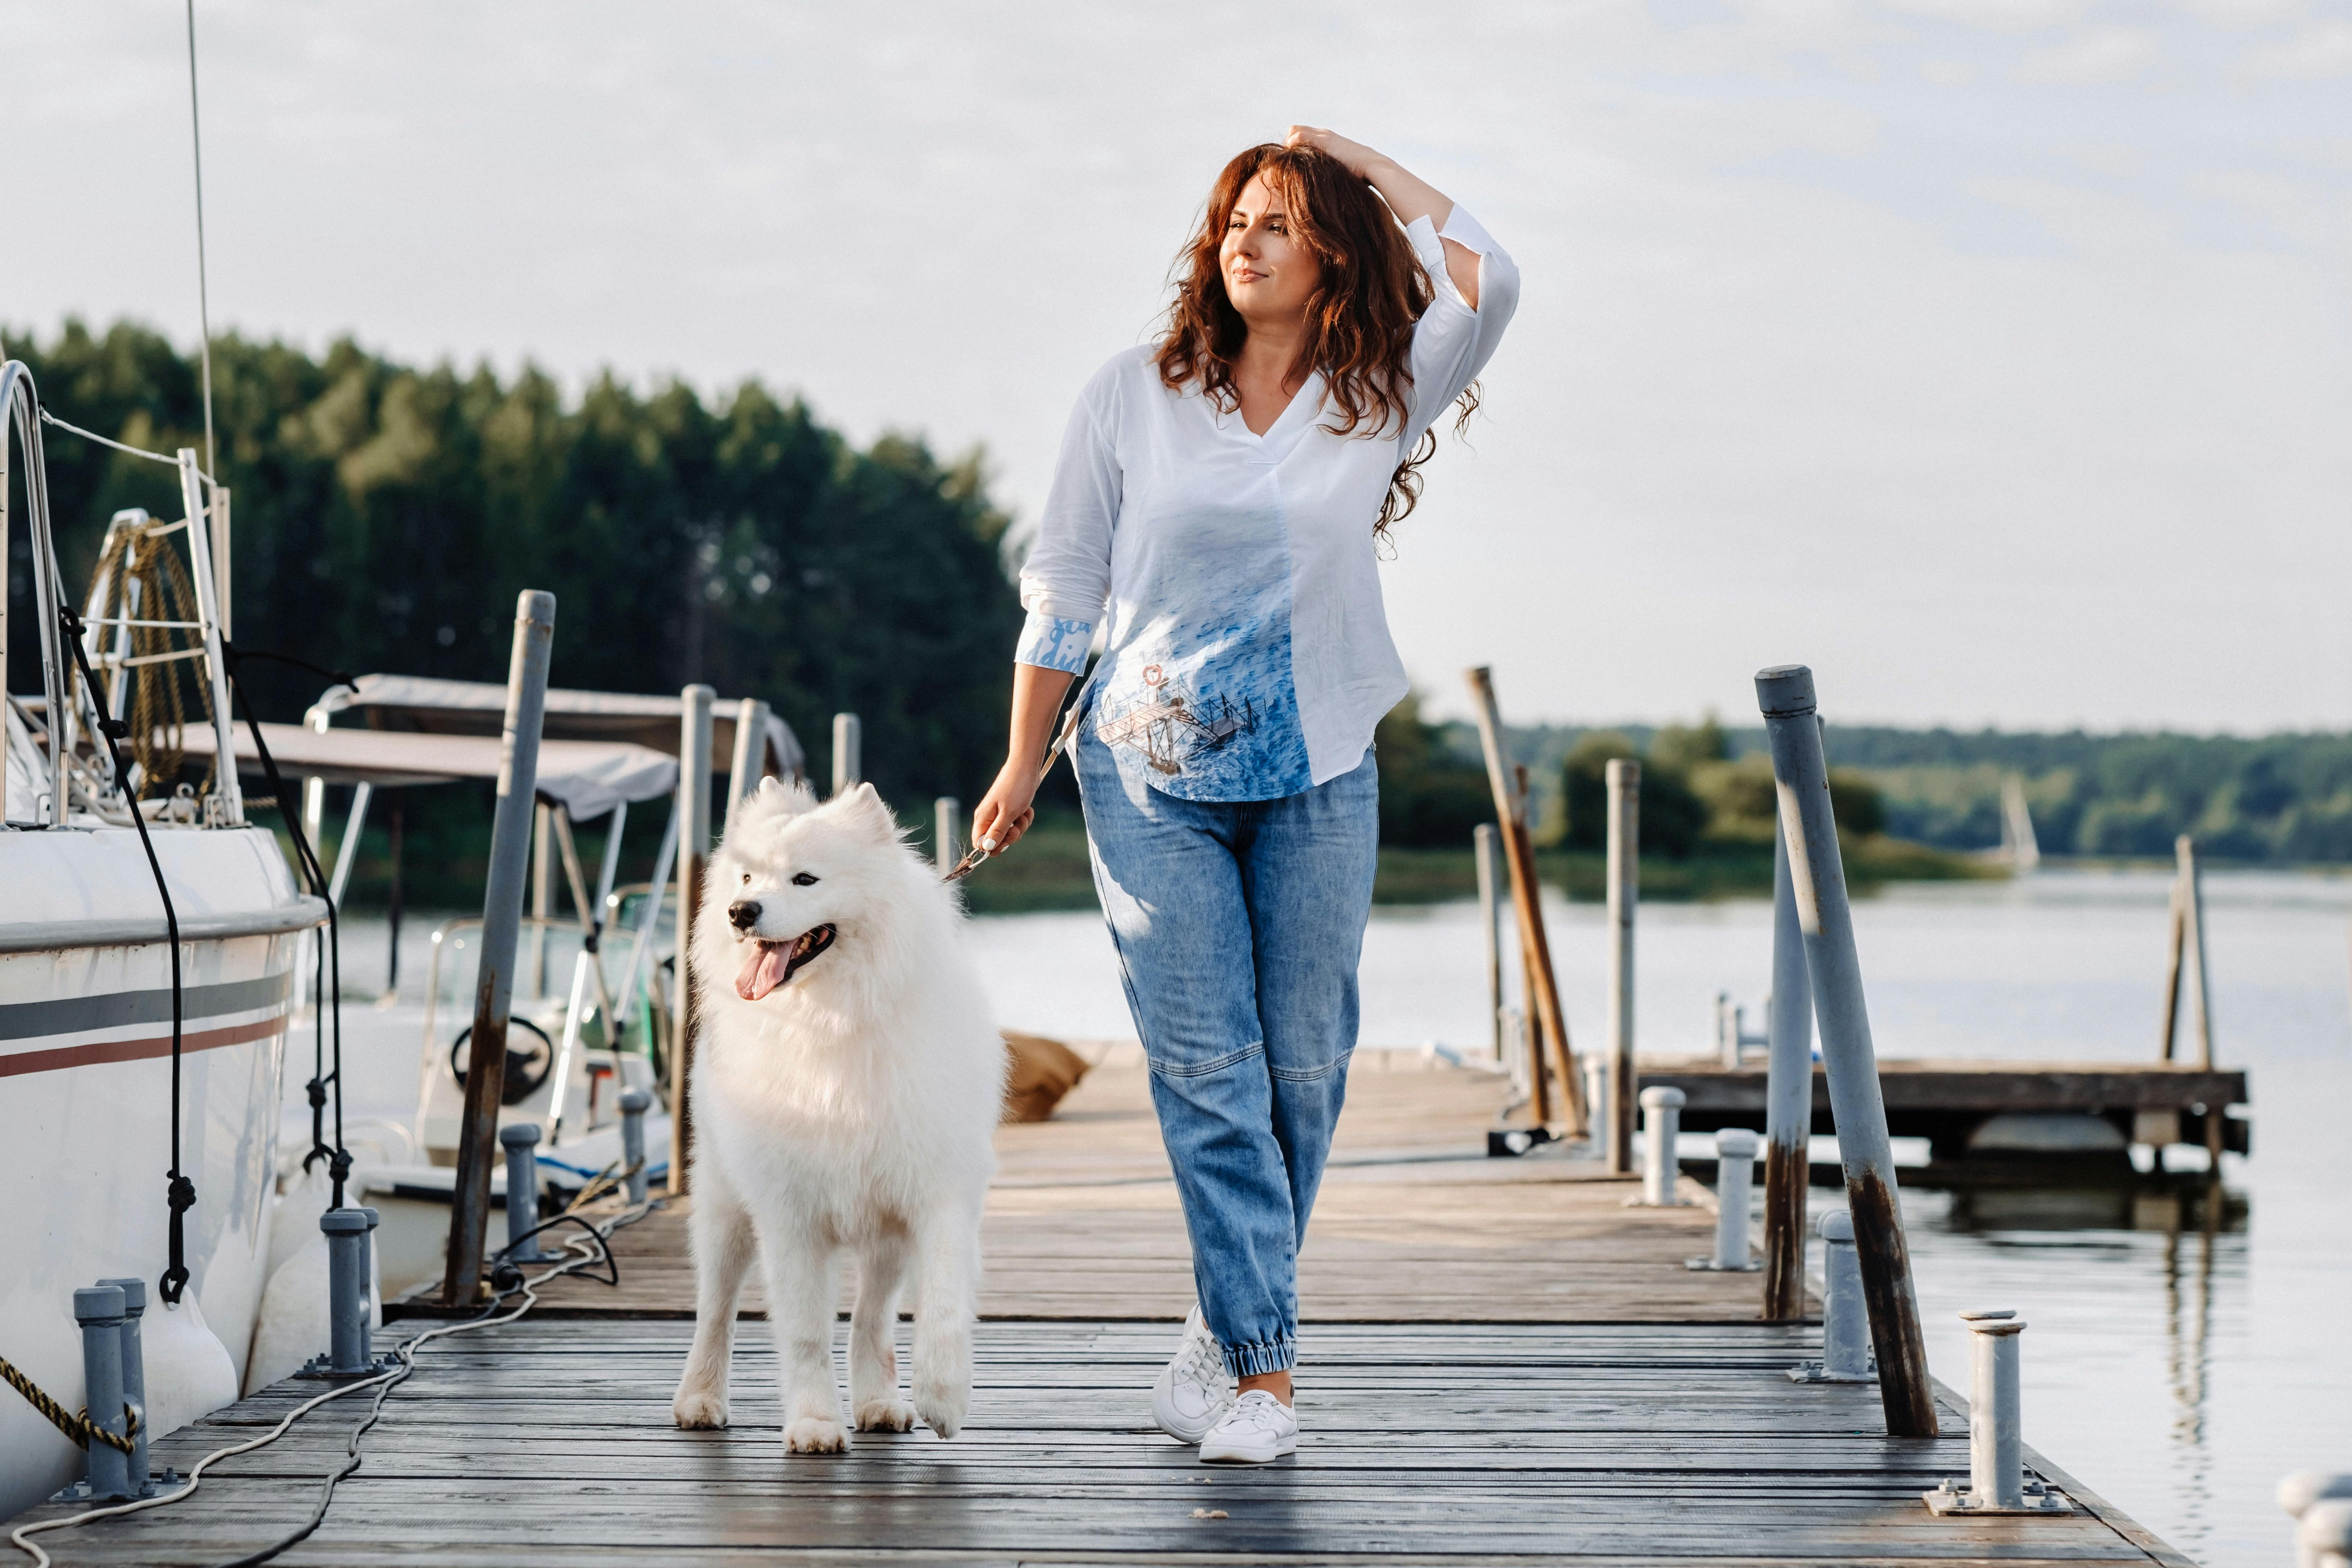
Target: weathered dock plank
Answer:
[[1502, 1363], [1414, 1223], [551, 1441]]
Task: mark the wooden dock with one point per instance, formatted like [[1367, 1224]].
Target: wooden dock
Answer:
[[1501, 1362], [1947, 1100]]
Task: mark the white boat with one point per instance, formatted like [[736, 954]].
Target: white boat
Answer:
[[86, 1036]]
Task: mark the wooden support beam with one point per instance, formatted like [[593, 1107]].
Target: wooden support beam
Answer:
[[1518, 851]]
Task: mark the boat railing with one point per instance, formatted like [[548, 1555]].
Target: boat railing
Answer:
[[20, 410]]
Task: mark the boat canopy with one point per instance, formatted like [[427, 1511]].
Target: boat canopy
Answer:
[[587, 778], [426, 704]]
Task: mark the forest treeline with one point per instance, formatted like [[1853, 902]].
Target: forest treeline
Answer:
[[2283, 799], [386, 516]]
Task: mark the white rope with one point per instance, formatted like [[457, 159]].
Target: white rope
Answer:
[[49, 418], [406, 1350]]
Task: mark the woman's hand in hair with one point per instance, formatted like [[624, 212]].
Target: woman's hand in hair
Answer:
[[1353, 156], [1409, 196]]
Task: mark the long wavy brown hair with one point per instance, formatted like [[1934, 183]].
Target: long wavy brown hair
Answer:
[[1360, 319]]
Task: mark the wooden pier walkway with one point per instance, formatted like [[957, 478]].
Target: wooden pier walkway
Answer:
[[1501, 1362]]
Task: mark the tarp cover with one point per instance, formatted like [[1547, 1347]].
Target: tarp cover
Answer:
[[426, 703], [588, 777]]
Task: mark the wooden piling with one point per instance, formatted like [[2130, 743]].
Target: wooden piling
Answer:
[[1518, 855], [1817, 876], [1788, 1100], [1624, 784], [510, 835], [1484, 849], [693, 860]]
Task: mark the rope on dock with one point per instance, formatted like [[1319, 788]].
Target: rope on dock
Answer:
[[77, 1426], [383, 1382]]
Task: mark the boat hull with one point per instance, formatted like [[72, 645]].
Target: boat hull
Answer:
[[85, 1099]]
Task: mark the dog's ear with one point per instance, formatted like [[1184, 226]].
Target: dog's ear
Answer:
[[862, 807]]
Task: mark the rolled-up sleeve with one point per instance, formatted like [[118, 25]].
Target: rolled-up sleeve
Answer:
[[1453, 342], [1067, 579]]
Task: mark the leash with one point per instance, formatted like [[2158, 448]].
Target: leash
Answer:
[[984, 851]]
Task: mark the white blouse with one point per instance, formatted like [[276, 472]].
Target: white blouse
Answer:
[[1247, 655]]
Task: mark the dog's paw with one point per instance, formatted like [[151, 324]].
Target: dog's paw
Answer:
[[942, 1406], [890, 1414], [816, 1434], [700, 1409]]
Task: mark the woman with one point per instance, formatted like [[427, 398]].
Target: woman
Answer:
[[1221, 497]]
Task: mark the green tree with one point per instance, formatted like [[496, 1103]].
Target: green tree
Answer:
[[1672, 817], [386, 517], [1429, 797]]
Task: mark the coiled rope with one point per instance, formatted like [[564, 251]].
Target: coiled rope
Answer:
[[78, 1427]]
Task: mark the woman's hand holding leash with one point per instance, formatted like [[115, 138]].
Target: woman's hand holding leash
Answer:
[[1006, 812]]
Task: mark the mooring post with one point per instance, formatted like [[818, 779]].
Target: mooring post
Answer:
[[1490, 926], [634, 1103], [99, 1309], [1661, 1125], [1845, 1320], [846, 744], [134, 1379], [351, 1338], [2322, 1503], [1788, 1100], [1800, 774], [510, 826], [522, 1142], [1624, 782], [693, 862], [947, 833], [1596, 1079], [1735, 1174], [1996, 1479], [1996, 1448]]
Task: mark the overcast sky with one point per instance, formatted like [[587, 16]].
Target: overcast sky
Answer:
[[1992, 356]]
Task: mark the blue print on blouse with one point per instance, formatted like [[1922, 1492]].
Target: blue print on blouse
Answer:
[[1055, 643], [1205, 707]]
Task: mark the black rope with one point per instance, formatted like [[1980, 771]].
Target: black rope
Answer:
[[601, 1246], [180, 1192], [330, 971], [506, 1281], [238, 656]]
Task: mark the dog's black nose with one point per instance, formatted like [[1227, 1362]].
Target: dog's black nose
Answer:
[[744, 913]]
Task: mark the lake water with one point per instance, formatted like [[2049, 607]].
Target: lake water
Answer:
[[2179, 1370]]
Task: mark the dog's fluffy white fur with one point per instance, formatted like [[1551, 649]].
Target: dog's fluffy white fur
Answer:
[[848, 1108]]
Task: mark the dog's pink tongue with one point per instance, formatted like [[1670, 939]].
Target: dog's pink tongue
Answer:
[[763, 973]]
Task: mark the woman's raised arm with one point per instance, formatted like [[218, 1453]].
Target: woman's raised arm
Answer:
[[1409, 196]]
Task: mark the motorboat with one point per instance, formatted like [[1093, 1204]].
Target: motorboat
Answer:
[[104, 1098]]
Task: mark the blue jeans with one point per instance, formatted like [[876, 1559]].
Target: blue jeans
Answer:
[[1239, 926]]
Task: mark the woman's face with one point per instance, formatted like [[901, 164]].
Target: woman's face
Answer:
[[1269, 274]]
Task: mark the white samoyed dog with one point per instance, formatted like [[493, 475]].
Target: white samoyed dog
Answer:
[[846, 1081]]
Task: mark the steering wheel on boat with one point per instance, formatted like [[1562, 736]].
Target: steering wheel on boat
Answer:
[[531, 1056]]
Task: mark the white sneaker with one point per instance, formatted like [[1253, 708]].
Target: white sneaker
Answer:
[[1258, 1429], [1194, 1390]]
